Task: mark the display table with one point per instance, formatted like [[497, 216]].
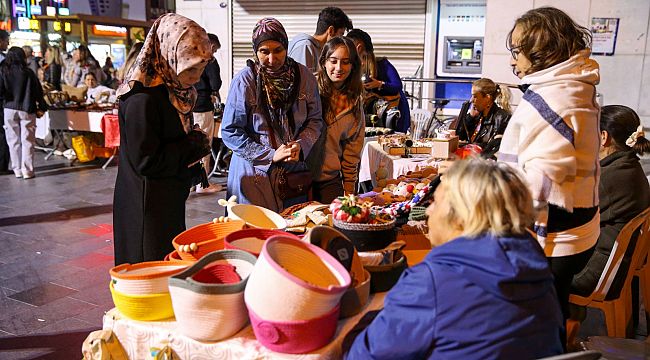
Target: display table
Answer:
[[374, 155], [79, 120], [137, 337]]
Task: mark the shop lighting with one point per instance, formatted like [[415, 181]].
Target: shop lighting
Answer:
[[25, 35], [54, 37]]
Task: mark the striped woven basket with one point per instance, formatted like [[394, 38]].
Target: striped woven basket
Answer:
[[211, 311]]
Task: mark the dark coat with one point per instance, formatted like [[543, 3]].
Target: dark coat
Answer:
[[471, 298], [52, 75], [209, 85], [624, 193], [21, 90], [490, 133], [153, 180]]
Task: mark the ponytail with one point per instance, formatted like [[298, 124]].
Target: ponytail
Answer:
[[503, 98]]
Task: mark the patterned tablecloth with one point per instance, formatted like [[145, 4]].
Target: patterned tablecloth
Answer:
[[374, 155], [139, 337]]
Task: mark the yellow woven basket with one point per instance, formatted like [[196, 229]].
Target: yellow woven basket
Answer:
[[143, 307]]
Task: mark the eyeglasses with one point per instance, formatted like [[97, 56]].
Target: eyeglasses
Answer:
[[514, 51], [334, 61]]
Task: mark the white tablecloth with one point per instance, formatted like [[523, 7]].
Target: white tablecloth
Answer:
[[373, 155], [76, 120], [137, 337]]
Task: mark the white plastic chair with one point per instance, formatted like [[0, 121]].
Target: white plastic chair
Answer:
[[419, 120], [618, 311]]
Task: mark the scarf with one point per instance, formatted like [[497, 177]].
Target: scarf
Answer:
[[279, 87], [174, 44]]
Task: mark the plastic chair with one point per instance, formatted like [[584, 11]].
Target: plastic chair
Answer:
[[619, 311], [419, 120]]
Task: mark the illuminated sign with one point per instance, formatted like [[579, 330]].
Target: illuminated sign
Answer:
[[35, 9], [23, 23], [56, 25], [64, 11], [50, 11], [109, 30]]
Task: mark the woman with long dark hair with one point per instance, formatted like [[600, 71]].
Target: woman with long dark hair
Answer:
[[381, 79], [336, 158], [22, 95]]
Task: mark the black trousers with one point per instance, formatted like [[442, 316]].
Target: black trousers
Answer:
[[4, 148], [563, 269]]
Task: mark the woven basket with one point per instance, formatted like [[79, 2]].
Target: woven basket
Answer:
[[368, 237], [294, 280], [208, 237], [150, 307], [211, 312], [295, 337], [384, 277], [174, 256], [145, 278], [250, 240], [257, 216]]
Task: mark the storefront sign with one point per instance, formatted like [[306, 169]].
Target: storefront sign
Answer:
[[109, 30], [27, 24], [50, 11], [64, 11], [67, 27], [604, 31], [35, 9]]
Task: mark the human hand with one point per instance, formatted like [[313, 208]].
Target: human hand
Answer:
[[473, 112], [373, 84], [282, 153], [295, 150]]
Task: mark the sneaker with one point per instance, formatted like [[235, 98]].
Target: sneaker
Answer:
[[18, 174], [28, 176], [213, 188]]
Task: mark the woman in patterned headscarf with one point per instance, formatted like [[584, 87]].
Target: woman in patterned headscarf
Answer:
[[271, 120], [156, 144]]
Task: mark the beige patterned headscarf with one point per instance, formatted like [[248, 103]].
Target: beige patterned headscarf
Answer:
[[174, 44]]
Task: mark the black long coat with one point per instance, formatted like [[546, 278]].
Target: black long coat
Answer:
[[153, 180], [624, 193]]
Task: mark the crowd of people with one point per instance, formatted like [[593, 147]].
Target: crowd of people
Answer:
[[513, 237]]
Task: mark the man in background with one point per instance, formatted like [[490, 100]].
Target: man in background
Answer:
[[305, 49], [4, 148], [207, 95]]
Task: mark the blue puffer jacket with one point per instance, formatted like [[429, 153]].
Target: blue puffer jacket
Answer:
[[471, 298]]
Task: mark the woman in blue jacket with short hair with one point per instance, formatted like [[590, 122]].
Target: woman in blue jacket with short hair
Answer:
[[485, 291]]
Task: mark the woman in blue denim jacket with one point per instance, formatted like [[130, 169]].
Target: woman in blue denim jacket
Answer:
[[272, 118]]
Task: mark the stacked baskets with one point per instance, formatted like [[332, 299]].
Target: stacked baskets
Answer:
[[140, 291], [194, 243]]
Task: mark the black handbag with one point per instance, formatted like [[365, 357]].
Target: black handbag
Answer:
[[293, 184]]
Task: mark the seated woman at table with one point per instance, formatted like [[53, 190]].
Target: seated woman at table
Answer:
[[97, 93], [484, 291], [621, 139], [488, 116], [381, 81], [157, 147], [271, 120], [336, 156]]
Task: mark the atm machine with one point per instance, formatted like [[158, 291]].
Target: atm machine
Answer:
[[461, 27], [459, 51]]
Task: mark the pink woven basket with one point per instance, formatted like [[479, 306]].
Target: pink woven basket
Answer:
[[294, 281], [295, 337], [250, 240]]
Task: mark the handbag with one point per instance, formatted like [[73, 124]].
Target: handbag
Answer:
[[293, 184]]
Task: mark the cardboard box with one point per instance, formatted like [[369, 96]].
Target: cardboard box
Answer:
[[394, 150], [444, 148]]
